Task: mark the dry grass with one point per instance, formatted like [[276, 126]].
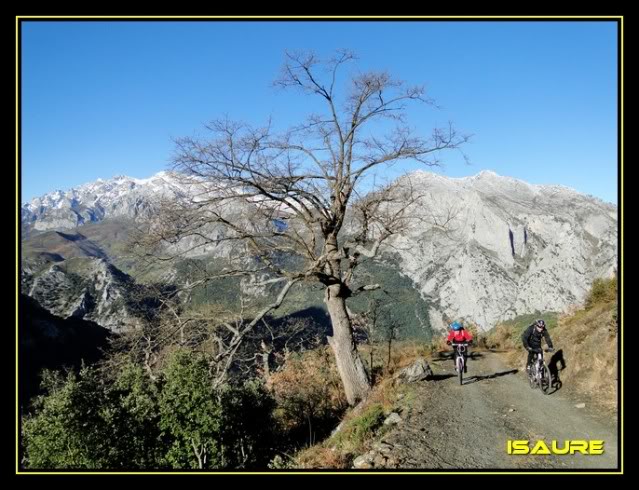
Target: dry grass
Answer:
[[321, 457], [308, 391], [363, 424], [501, 337], [587, 341], [438, 344], [405, 353]]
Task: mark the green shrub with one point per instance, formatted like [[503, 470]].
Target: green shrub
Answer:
[[84, 421], [81, 422], [190, 413], [68, 431], [247, 425]]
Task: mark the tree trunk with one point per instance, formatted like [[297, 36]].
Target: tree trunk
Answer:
[[349, 364], [266, 371]]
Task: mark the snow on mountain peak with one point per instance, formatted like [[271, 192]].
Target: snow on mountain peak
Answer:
[[93, 201], [510, 247]]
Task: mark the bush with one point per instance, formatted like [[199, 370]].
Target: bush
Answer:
[[309, 395], [247, 425], [132, 422], [131, 416], [83, 423], [602, 291], [226, 428], [190, 413], [68, 431]]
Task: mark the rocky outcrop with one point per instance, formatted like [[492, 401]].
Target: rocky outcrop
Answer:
[[417, 371], [48, 341], [380, 456], [489, 248], [88, 288]]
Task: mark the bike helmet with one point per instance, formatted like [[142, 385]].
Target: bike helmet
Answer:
[[456, 326], [540, 323]]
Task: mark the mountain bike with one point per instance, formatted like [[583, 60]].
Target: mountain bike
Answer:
[[461, 350], [539, 374]]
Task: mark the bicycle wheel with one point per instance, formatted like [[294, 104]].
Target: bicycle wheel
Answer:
[[531, 377], [460, 369], [546, 380]]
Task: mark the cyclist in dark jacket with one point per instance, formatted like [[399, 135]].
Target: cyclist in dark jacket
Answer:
[[532, 340]]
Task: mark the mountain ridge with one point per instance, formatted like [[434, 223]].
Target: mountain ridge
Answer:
[[508, 248]]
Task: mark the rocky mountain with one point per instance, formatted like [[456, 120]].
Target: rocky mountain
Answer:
[[489, 248], [485, 248], [88, 288], [93, 202]]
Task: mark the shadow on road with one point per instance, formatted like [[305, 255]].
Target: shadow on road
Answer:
[[556, 386], [557, 363], [448, 356], [440, 377], [443, 355], [474, 379]]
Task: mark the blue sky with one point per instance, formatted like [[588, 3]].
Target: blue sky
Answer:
[[107, 98]]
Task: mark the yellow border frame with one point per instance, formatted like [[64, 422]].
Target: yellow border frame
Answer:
[[323, 17]]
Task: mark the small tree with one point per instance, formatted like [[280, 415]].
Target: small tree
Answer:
[[67, 430], [85, 422], [380, 325], [247, 425], [303, 205], [190, 414]]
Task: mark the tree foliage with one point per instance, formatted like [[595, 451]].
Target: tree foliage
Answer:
[[87, 421]]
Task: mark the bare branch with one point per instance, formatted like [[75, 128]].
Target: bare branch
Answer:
[[274, 204]]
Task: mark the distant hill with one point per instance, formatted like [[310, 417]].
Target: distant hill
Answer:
[[48, 341]]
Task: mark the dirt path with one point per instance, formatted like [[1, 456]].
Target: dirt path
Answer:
[[452, 426]]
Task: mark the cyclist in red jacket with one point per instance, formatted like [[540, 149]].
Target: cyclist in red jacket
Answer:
[[457, 335]]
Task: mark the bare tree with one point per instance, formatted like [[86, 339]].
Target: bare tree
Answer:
[[379, 324], [302, 205], [219, 331]]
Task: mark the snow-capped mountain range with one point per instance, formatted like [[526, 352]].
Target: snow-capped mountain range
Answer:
[[508, 248], [117, 197]]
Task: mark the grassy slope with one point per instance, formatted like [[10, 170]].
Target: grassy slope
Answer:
[[589, 342], [586, 340], [507, 335]]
